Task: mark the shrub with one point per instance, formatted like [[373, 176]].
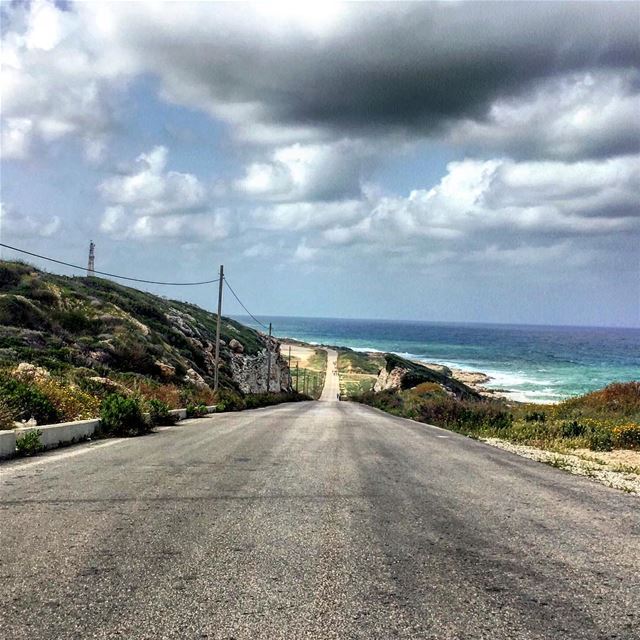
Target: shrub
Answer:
[[229, 401], [190, 395], [29, 443], [627, 436], [159, 413], [535, 416], [27, 401], [600, 439], [428, 388], [6, 415], [122, 416], [257, 400], [572, 429], [168, 394], [196, 410], [618, 400], [70, 402]]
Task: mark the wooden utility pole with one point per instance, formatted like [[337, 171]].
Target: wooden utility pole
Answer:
[[269, 359], [220, 285]]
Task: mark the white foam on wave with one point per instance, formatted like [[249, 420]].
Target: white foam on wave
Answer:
[[516, 379]]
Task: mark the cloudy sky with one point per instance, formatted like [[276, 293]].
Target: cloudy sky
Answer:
[[437, 161]]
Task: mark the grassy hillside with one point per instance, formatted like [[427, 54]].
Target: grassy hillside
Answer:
[[599, 421], [92, 336], [61, 322]]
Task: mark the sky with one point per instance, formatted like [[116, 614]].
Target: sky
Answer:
[[450, 161]]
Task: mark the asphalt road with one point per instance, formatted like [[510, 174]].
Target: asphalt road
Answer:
[[311, 520], [331, 388]]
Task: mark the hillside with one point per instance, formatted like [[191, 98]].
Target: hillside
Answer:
[[84, 329]]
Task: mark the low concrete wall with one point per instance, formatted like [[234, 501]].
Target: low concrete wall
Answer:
[[7, 444], [53, 435], [179, 414]]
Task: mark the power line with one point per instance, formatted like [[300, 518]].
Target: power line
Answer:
[[242, 304], [110, 275]]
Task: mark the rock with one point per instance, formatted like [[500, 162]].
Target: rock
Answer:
[[250, 371], [389, 379], [183, 322], [102, 357], [112, 385], [166, 370], [235, 346], [472, 378], [31, 372], [194, 378]]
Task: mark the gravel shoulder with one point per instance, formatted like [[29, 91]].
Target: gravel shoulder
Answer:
[[617, 469]]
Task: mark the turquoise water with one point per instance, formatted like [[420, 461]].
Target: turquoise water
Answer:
[[535, 363]]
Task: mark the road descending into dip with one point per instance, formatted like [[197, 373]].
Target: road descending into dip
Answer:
[[331, 389], [312, 520]]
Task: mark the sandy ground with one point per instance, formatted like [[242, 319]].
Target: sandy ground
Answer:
[[298, 352]]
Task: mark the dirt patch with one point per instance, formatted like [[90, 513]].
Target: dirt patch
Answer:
[[299, 354]]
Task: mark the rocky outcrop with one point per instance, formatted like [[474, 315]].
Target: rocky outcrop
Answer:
[[194, 378], [235, 346], [389, 379], [249, 372], [405, 374]]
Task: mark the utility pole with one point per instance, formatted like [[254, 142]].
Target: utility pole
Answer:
[[297, 375], [91, 265], [269, 359], [220, 285]]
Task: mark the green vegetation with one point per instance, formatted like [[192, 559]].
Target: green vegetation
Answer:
[[7, 415], [24, 400], [29, 443], [357, 362], [65, 323], [82, 340], [122, 416], [159, 413], [358, 371], [196, 410], [229, 401], [600, 421], [258, 400]]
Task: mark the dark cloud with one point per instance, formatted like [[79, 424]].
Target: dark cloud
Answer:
[[415, 66]]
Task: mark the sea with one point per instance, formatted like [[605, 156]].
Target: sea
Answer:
[[541, 364]]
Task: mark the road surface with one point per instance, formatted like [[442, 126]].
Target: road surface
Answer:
[[311, 520], [331, 389]]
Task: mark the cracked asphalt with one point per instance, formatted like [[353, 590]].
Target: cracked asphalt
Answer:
[[311, 520]]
